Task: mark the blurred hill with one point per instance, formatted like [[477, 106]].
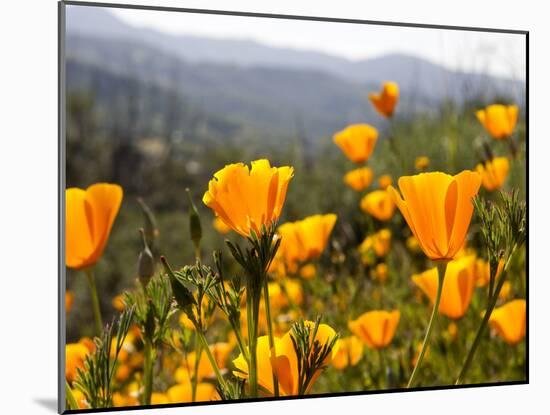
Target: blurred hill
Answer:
[[246, 83]]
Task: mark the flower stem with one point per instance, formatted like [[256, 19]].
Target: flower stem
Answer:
[[147, 371], [441, 268], [204, 343], [95, 300], [270, 334], [484, 322], [252, 321], [198, 355]]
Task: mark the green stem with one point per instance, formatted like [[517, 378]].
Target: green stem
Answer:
[[204, 343], [95, 300], [484, 322], [73, 404], [270, 334], [441, 269], [252, 319], [147, 371], [198, 355]]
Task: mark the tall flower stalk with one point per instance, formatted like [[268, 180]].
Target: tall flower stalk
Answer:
[[504, 230], [441, 269], [96, 308]]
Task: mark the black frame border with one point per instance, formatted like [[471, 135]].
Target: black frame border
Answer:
[[61, 329]]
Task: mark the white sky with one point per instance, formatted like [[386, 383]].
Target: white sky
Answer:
[[493, 53]]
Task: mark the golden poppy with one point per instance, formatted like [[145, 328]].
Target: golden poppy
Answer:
[[375, 328], [378, 204], [220, 226], [494, 172], [357, 141], [247, 199], [458, 286], [89, 217], [158, 398], [505, 290], [509, 321], [438, 208], [349, 353], [499, 120], [284, 362], [385, 101], [359, 179], [421, 163], [305, 239], [384, 181], [379, 242]]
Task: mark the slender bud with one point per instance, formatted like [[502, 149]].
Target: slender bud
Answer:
[[150, 228], [181, 293], [194, 224], [146, 263]]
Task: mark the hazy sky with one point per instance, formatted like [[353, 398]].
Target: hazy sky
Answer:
[[494, 53]]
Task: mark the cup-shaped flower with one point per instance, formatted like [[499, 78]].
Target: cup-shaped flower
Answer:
[[378, 204], [483, 272], [349, 353], [89, 217], [359, 179], [438, 208], [509, 321], [494, 172], [458, 286], [305, 239], [284, 362], [385, 101], [357, 141], [376, 328], [75, 353], [499, 120], [248, 199]]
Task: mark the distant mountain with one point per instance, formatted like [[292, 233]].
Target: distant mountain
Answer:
[[414, 74], [247, 83]]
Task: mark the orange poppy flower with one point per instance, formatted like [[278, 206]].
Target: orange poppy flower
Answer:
[[499, 120], [385, 101], [89, 217], [247, 199], [378, 204], [509, 321], [350, 351], [438, 208], [458, 286], [494, 172], [376, 328], [357, 141], [359, 179]]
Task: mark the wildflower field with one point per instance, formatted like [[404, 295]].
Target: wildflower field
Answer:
[[389, 258]]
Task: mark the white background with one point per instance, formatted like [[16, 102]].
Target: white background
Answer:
[[28, 228]]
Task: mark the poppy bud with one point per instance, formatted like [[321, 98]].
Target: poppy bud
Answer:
[[146, 263], [181, 293], [194, 224], [150, 227]]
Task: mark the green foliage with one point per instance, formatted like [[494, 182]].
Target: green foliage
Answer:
[[95, 380]]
